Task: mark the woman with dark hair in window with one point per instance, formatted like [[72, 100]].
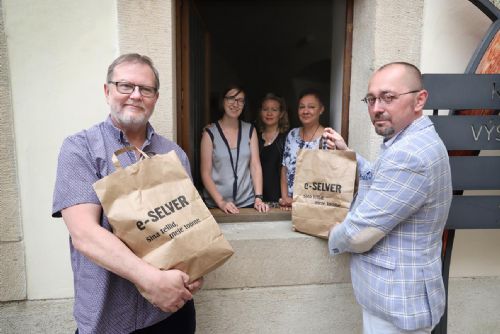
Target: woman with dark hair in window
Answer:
[[308, 136], [230, 163], [272, 124]]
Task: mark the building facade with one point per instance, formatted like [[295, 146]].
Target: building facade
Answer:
[[53, 60]]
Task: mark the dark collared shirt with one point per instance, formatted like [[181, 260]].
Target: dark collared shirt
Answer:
[[104, 302]]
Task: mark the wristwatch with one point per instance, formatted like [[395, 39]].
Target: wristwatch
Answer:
[[259, 196]]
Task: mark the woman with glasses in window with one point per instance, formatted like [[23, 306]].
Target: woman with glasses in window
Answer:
[[272, 124], [308, 136], [230, 165]]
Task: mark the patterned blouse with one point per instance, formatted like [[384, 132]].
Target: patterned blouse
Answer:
[[293, 143]]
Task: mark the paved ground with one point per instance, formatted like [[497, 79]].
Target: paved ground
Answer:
[[42, 316], [473, 308]]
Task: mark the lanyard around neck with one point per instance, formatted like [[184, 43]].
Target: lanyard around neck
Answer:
[[235, 168]]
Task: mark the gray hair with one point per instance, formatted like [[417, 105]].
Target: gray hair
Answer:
[[133, 58]]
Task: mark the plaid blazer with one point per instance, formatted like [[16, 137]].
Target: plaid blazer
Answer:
[[402, 206]]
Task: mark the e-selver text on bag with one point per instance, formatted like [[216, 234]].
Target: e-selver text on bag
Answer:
[[154, 208], [324, 188]]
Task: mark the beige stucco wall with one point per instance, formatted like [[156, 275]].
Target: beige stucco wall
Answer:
[[383, 31], [59, 53], [148, 27], [447, 43], [12, 265]]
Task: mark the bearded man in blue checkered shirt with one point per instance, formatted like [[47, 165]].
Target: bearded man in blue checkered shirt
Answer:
[[116, 291], [395, 225]]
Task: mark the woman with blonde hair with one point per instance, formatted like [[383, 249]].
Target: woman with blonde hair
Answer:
[[272, 124]]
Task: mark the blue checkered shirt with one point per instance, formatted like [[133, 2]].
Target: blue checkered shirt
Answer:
[[104, 302], [406, 196]]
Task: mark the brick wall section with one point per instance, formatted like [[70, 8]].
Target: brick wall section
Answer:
[[12, 264]]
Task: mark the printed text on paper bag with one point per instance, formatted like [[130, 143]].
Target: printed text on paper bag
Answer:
[[168, 227], [163, 210], [158, 213], [321, 186]]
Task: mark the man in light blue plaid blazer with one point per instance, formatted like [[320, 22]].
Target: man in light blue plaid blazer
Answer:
[[395, 225]]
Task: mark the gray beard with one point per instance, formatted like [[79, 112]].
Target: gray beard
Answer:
[[128, 121]]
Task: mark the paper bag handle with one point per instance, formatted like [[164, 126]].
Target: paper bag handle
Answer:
[[115, 160], [322, 144]]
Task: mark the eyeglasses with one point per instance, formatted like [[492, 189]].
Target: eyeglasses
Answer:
[[233, 100], [385, 98], [124, 87]]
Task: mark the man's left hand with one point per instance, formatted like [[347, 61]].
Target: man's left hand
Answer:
[[195, 286], [333, 140]]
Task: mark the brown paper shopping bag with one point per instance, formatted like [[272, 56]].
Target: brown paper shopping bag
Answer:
[[323, 189], [157, 212]]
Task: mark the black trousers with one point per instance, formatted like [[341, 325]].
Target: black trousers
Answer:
[[180, 322]]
